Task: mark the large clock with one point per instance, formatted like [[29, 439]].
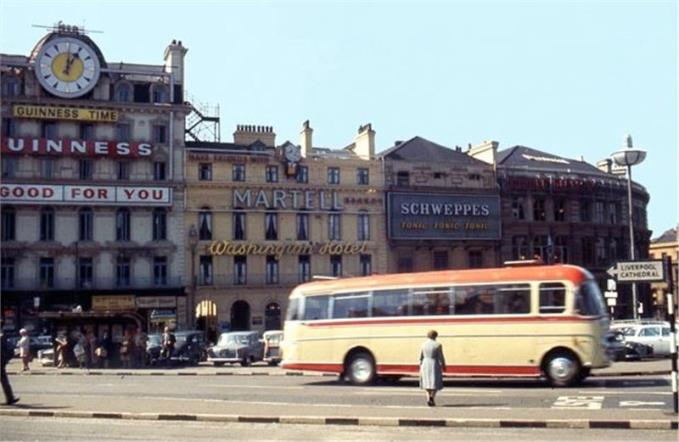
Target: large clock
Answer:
[[67, 67]]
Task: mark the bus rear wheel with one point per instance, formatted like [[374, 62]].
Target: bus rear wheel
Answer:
[[360, 369], [562, 369]]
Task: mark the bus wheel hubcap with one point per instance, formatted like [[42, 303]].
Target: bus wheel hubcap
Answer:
[[561, 368], [361, 369]]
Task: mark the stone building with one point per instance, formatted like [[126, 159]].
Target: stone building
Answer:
[[665, 245], [443, 207], [263, 218], [92, 194]]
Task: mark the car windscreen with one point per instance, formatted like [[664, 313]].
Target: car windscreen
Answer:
[[589, 301], [233, 339]]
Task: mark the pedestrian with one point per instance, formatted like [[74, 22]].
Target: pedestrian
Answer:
[[432, 366], [80, 351], [24, 346], [61, 343], [167, 345], [141, 339], [6, 353], [126, 349], [92, 359], [103, 351]]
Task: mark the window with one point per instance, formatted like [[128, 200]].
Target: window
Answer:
[[205, 171], [540, 247], [159, 171], [206, 270], [517, 208], [271, 174], [271, 226], [11, 86], [302, 227], [124, 170], [600, 250], [334, 227], [159, 94], [46, 272], [365, 262], [520, 247], [9, 167], [552, 297], [561, 249], [122, 271], [585, 211], [47, 224], [271, 270], [85, 224], [159, 224], [48, 129], [47, 167], [336, 265], [430, 301], [492, 299], [87, 131], [240, 270], [239, 226], [390, 302], [7, 273], [123, 132], [304, 268], [85, 272], [85, 169], [588, 250], [123, 225], [333, 175], [160, 133], [205, 224], [352, 305], [403, 178], [316, 307], [475, 259], [599, 212], [238, 172], [559, 210], [405, 264], [8, 224], [159, 270], [9, 127], [302, 174], [440, 260], [362, 176], [539, 213], [612, 213], [363, 221], [123, 92], [588, 300]]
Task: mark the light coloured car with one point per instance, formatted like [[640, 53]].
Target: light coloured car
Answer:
[[655, 334], [243, 347], [272, 346]]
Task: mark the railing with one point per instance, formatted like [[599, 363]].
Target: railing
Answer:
[[106, 283]]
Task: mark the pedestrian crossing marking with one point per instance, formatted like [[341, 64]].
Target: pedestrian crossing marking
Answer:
[[578, 402]]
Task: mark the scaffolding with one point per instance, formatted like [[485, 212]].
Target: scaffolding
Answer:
[[202, 124]]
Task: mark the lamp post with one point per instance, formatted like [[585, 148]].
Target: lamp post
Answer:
[[630, 157], [193, 243]]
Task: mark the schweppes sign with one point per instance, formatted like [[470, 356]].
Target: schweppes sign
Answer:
[[64, 113]]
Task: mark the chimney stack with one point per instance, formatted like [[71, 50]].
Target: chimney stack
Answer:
[[485, 151], [305, 140], [246, 134], [174, 60], [364, 143]]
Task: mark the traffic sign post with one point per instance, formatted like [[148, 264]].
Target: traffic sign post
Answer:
[[667, 266]]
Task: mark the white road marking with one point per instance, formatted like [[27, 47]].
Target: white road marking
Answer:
[[638, 403], [661, 393], [578, 402], [250, 387], [417, 393]]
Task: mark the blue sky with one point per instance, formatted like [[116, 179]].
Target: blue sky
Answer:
[[570, 78]]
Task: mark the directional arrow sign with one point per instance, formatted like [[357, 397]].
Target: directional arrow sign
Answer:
[[638, 271]]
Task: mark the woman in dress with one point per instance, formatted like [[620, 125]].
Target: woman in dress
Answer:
[[432, 366]]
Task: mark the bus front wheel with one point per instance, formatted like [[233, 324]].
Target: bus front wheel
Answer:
[[361, 369], [562, 369]]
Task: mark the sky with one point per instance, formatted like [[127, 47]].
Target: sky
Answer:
[[569, 78]]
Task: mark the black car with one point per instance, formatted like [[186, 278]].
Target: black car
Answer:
[[620, 349], [190, 347]]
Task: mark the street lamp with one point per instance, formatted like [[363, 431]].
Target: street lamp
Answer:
[[193, 243], [630, 157]]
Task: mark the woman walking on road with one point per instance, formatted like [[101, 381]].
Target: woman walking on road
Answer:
[[24, 346], [432, 365]]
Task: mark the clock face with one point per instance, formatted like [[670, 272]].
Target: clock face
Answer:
[[292, 153], [67, 67]]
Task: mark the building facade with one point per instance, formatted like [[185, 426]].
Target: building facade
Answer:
[[665, 245], [443, 208], [561, 210], [92, 184], [262, 218]]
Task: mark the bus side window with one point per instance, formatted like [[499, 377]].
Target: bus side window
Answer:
[[350, 305], [390, 302], [316, 307], [552, 297]]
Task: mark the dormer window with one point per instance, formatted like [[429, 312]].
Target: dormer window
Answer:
[[159, 94], [122, 92]]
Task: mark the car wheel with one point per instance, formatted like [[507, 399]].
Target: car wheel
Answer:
[[562, 369], [218, 364], [245, 362], [360, 369]]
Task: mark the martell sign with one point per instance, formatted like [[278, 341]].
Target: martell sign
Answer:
[[90, 195], [75, 148]]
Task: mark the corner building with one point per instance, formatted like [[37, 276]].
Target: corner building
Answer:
[[263, 218], [92, 193]]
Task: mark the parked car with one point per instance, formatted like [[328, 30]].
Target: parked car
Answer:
[[46, 357], [190, 347], [655, 334], [272, 346], [620, 349], [153, 349], [237, 347]]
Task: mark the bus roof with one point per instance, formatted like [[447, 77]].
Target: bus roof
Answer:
[[443, 277]]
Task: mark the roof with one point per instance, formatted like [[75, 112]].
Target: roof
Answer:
[[487, 275], [522, 157], [217, 147], [667, 236], [421, 149]]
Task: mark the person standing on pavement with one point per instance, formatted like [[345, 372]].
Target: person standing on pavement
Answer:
[[141, 339], [6, 353], [167, 345], [24, 346], [432, 366]]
